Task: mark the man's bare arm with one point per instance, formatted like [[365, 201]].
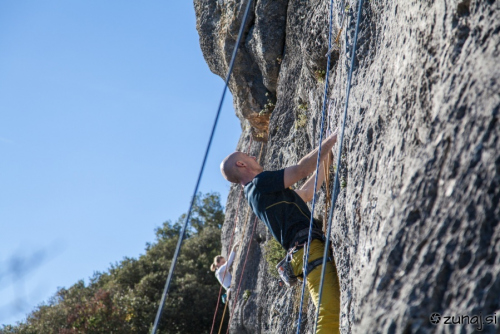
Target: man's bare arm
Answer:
[[306, 192], [307, 164]]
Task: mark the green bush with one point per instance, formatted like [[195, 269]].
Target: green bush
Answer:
[[125, 298], [273, 253]]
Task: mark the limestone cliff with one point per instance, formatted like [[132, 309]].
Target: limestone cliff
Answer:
[[415, 229]]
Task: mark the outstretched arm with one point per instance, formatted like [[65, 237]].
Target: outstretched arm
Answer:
[[231, 256], [306, 192], [307, 164]]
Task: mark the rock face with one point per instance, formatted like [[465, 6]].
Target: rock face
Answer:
[[415, 228]]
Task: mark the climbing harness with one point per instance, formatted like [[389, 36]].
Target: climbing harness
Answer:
[[285, 271], [302, 236], [336, 181], [284, 267], [188, 215]]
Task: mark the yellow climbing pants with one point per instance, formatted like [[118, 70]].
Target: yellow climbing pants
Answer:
[[329, 310]]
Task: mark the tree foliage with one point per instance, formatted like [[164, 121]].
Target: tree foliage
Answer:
[[125, 298]]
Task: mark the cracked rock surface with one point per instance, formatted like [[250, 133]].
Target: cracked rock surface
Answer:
[[415, 228]]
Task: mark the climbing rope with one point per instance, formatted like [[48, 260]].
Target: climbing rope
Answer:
[[231, 245], [344, 12], [225, 271], [188, 215], [335, 44], [307, 246], [327, 197], [223, 315], [227, 301], [220, 290], [336, 182], [244, 229], [242, 271], [244, 264]]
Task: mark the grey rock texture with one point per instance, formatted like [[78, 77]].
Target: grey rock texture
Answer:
[[415, 229]]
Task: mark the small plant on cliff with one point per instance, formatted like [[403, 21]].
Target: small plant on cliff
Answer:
[[303, 106], [301, 120], [279, 60], [268, 107], [260, 135], [320, 75], [344, 183], [273, 253], [246, 295]]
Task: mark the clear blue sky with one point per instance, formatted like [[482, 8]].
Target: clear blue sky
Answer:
[[105, 112]]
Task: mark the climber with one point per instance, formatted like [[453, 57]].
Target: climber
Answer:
[[287, 216], [221, 268]]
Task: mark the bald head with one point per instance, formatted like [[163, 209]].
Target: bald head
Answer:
[[239, 167], [228, 167]]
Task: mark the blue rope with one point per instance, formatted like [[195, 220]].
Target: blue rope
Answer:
[[306, 251], [336, 182], [183, 231]]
